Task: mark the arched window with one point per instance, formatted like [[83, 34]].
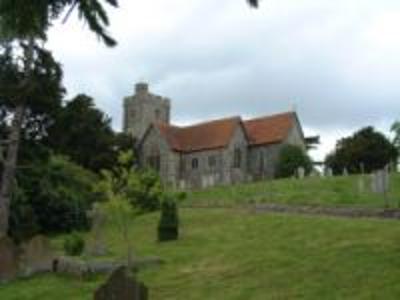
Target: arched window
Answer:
[[195, 163], [237, 158]]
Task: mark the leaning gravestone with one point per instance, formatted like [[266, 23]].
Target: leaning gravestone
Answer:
[[37, 256], [121, 287], [8, 259], [97, 245]]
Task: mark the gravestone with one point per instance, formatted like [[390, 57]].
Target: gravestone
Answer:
[[37, 256], [361, 185], [345, 172], [328, 172], [301, 172], [96, 245], [8, 259], [121, 287]]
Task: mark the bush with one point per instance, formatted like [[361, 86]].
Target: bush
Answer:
[[52, 197], [290, 159], [168, 227], [74, 244]]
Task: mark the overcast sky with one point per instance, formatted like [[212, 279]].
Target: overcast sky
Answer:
[[336, 62]]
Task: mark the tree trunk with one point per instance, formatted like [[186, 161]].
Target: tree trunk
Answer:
[[10, 161], [9, 168]]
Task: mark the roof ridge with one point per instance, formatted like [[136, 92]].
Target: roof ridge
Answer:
[[290, 112]]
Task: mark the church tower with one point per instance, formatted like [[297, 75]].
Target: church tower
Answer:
[[142, 109]]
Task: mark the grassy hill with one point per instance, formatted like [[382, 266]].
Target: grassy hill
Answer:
[[332, 191], [234, 254]]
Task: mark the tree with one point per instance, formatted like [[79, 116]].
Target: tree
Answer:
[[396, 130], [23, 29], [52, 196], [365, 151], [91, 130], [290, 159]]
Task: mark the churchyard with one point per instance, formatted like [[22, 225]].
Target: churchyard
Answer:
[[235, 252]]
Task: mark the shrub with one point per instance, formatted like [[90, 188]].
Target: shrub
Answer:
[[74, 244], [168, 227], [52, 197], [290, 158]]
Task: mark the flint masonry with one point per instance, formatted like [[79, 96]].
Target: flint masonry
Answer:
[[223, 151]]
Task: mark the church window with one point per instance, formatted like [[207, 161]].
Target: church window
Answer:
[[195, 163], [237, 158], [212, 161]]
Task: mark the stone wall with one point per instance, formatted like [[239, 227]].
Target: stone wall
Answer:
[[214, 167], [142, 109], [263, 161], [155, 145]]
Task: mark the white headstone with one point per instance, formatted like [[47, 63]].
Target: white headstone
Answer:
[[301, 172]]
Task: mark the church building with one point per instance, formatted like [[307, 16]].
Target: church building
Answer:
[[224, 151]]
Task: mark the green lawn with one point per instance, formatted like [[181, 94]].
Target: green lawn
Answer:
[[333, 191], [233, 254]]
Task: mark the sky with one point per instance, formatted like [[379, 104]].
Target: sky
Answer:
[[336, 63]]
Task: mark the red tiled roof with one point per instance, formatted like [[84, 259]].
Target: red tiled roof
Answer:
[[269, 129], [218, 133], [203, 136]]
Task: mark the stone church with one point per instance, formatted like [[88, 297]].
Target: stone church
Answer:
[[223, 151]]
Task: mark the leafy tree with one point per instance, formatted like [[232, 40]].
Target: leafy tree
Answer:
[[80, 128], [396, 130], [366, 150], [290, 159], [52, 197], [25, 64]]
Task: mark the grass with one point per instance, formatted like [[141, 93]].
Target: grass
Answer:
[[233, 254], [332, 191]]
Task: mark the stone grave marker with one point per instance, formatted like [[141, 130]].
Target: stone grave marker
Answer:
[[301, 172], [37, 256], [345, 172], [120, 286], [328, 172], [361, 185], [8, 259], [96, 245]]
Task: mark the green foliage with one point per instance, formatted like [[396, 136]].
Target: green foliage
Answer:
[[22, 19], [168, 227], [92, 130], [396, 131], [52, 196], [142, 189], [366, 150], [292, 157], [74, 244]]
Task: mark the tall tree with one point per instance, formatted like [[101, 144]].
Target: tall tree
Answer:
[[23, 31], [79, 128], [366, 150]]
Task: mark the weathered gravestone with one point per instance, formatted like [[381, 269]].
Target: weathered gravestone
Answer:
[[301, 172], [37, 256], [8, 259], [96, 245], [328, 172], [121, 287], [361, 185], [345, 172], [380, 183]]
